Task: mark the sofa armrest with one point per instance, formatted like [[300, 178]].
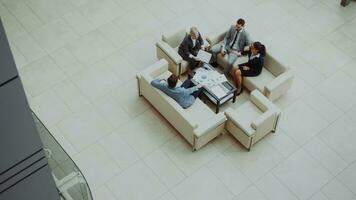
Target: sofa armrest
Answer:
[[155, 69], [231, 115], [279, 85], [265, 121], [216, 38], [169, 51], [261, 101], [209, 125], [174, 37], [274, 66]]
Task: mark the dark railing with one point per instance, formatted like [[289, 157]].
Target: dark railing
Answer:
[[71, 184]]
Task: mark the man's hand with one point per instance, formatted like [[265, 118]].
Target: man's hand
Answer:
[[205, 47], [223, 51], [196, 58], [237, 53], [200, 86]]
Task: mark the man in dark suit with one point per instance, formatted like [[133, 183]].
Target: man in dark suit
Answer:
[[190, 47]]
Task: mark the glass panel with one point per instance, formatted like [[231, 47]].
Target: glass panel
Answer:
[[70, 181]]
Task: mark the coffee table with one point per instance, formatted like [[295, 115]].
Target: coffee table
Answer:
[[218, 93]]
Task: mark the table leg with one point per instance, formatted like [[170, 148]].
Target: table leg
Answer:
[[179, 69], [234, 97], [217, 107]]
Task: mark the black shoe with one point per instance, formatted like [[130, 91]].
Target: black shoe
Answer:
[[191, 74], [238, 93], [214, 64]]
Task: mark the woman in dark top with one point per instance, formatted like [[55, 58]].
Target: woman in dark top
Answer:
[[253, 67]]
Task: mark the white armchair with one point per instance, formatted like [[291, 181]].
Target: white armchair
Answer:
[[167, 49], [275, 79], [253, 120]]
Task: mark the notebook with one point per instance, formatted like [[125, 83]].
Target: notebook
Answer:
[[204, 56]]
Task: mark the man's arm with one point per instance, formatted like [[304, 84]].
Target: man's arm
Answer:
[[201, 41], [158, 83], [192, 89], [247, 40], [185, 49], [226, 38]]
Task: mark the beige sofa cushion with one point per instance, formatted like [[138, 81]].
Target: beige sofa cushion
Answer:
[[174, 38], [260, 81], [184, 64], [246, 114], [200, 112], [165, 75]]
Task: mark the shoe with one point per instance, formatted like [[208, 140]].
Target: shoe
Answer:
[[191, 74], [238, 93], [214, 64]]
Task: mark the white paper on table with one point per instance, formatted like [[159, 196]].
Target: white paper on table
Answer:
[[221, 78], [209, 78], [204, 56], [218, 91]]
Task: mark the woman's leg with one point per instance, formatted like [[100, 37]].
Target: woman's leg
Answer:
[[238, 80], [230, 62]]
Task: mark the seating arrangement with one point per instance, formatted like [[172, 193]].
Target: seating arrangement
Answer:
[[198, 124], [253, 120], [167, 48], [274, 80]]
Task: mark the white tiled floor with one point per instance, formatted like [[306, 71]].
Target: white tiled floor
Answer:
[[78, 60]]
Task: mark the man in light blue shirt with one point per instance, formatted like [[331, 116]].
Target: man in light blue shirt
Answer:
[[184, 95]]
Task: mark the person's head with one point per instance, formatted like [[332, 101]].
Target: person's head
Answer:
[[194, 33], [240, 23], [258, 48], [172, 81]]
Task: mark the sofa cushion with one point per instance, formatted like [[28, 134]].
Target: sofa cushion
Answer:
[[260, 81], [164, 75], [174, 38], [246, 114], [184, 64], [200, 112]]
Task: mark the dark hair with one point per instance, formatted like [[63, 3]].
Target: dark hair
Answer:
[[260, 48], [172, 81], [241, 22]]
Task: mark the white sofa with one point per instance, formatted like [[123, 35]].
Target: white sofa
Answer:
[[252, 120], [198, 124], [167, 49], [275, 79]]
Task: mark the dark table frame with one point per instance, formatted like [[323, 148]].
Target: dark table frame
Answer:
[[213, 98]]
